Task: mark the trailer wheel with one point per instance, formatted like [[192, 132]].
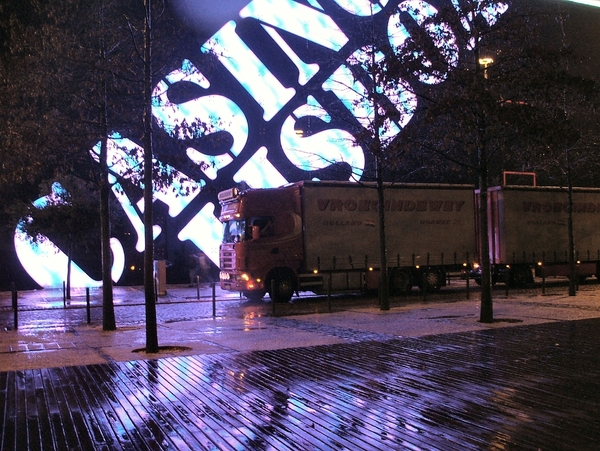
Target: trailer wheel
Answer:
[[400, 282], [432, 280], [281, 287], [520, 276]]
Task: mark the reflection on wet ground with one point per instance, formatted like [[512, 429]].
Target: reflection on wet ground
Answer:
[[519, 388]]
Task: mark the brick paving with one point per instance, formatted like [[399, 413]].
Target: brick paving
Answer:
[[425, 375], [533, 387]]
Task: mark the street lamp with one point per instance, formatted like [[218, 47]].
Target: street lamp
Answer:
[[485, 62]]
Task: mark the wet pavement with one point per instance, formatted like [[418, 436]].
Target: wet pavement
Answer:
[[425, 375]]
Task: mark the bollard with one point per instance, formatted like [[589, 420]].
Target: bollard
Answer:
[[214, 299], [468, 286], [273, 295], [87, 304], [15, 306], [329, 293], [543, 281], [198, 287]]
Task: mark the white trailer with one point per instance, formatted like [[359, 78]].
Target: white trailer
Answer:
[[529, 229]]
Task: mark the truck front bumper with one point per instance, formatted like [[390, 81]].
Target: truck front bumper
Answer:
[[240, 282]]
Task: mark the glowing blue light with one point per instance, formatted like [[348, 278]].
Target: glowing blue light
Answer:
[[200, 116], [47, 264], [322, 149], [251, 73], [259, 172], [441, 35], [305, 71], [298, 19], [204, 230]]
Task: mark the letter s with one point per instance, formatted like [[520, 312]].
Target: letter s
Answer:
[[322, 149], [199, 116]]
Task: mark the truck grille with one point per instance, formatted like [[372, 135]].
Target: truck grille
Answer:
[[227, 259]]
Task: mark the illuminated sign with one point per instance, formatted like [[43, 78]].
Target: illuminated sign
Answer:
[[283, 99]]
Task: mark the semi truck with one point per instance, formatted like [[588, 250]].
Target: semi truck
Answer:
[[528, 232], [324, 237]]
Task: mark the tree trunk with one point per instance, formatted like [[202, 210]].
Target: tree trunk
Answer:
[[108, 309], [486, 313], [69, 260], [573, 276], [149, 290], [384, 292]]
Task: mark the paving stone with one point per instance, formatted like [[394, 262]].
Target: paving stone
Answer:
[[533, 387]]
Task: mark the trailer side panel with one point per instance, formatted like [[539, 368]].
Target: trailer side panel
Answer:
[[425, 224]]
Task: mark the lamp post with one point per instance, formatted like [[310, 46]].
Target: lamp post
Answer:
[[485, 62]]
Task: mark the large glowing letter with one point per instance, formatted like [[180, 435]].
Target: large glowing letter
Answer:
[[204, 230], [441, 35], [47, 264], [321, 149], [305, 71], [252, 74], [201, 116], [125, 160], [298, 19], [258, 172], [355, 96]]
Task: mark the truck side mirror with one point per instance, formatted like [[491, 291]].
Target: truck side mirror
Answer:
[[255, 232]]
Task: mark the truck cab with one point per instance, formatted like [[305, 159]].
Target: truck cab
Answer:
[[261, 250]]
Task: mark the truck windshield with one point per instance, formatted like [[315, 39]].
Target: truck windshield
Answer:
[[234, 231]]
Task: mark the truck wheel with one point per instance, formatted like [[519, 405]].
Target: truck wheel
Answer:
[[283, 287], [520, 276], [478, 279], [433, 280], [400, 282]]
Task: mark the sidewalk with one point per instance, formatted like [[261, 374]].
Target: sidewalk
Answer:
[[422, 376], [239, 327]]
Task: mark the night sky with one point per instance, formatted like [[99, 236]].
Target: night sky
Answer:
[[583, 26]]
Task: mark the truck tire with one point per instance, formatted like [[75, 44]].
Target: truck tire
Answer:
[[520, 276], [282, 287], [400, 282], [431, 280]]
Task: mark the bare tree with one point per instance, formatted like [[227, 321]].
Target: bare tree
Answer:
[[564, 146], [475, 118], [67, 92]]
